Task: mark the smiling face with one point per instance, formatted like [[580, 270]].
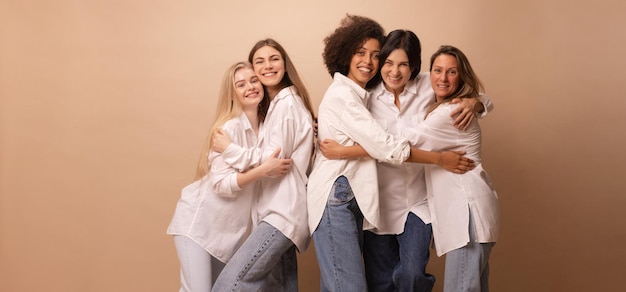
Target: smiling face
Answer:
[[248, 88], [396, 71], [444, 76], [364, 62], [269, 65]]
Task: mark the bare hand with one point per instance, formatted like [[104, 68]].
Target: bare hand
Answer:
[[331, 149], [276, 166], [464, 112], [453, 161], [220, 140]]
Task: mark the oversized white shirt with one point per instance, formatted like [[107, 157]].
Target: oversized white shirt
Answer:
[[214, 211], [402, 188], [282, 201], [452, 197], [343, 116]]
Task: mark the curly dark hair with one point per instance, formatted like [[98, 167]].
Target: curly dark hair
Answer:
[[343, 43]]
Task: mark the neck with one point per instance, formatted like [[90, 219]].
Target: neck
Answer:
[[253, 117], [396, 95], [273, 91]]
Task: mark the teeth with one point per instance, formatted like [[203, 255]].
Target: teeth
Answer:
[[366, 70]]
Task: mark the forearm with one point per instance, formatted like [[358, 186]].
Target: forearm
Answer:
[[422, 156], [241, 158], [250, 176], [353, 152]]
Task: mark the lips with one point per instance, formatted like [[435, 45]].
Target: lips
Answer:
[[254, 94], [365, 70]]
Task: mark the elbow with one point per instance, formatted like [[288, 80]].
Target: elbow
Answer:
[[223, 191]]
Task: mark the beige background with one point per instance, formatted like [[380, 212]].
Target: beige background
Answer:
[[104, 106]]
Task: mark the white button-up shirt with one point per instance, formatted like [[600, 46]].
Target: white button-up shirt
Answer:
[[343, 116], [402, 188], [282, 200], [452, 197], [214, 211]]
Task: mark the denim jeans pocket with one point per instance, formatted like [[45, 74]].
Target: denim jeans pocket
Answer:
[[342, 192]]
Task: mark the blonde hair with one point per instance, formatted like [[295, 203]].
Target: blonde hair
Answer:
[[228, 107]]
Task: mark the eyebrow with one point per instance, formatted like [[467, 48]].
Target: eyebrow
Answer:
[[271, 56]]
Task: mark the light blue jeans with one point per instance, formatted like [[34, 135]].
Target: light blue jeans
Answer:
[[467, 268], [398, 262], [339, 241], [265, 262]]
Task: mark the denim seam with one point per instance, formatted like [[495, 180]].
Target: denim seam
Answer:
[[257, 254]]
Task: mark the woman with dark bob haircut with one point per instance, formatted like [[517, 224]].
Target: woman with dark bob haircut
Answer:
[[342, 196]]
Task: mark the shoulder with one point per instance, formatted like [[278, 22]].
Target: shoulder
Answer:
[[236, 124], [288, 94], [441, 112], [378, 89], [422, 82]]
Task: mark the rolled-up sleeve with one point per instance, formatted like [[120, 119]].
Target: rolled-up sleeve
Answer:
[[224, 178], [239, 157], [486, 103], [356, 122]]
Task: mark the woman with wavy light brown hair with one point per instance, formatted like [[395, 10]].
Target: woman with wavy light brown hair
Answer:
[[464, 208], [212, 217], [267, 260]]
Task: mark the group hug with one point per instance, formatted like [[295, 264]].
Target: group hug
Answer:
[[391, 162]]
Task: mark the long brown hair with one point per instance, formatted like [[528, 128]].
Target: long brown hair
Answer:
[[291, 74]]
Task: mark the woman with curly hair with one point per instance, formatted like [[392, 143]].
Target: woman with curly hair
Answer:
[[343, 194], [396, 253]]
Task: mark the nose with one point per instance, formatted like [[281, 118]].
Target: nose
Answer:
[[395, 70], [249, 86], [368, 57], [443, 77]]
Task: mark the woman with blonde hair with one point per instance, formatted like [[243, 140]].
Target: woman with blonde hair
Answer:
[[267, 260], [213, 215]]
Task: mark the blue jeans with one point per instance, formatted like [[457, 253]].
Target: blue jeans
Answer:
[[339, 241], [398, 262], [265, 262], [467, 268]]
